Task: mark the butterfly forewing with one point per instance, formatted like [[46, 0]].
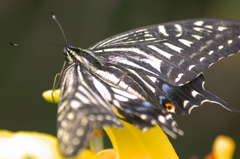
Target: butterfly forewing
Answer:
[[175, 52], [80, 109]]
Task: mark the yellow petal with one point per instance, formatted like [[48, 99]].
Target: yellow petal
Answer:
[[131, 143], [34, 145], [223, 147], [48, 96], [107, 154]]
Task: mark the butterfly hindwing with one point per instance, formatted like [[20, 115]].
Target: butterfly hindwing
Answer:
[[136, 111], [182, 99], [80, 109], [175, 52], [175, 99]]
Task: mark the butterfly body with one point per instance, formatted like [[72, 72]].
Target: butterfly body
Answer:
[[160, 63]]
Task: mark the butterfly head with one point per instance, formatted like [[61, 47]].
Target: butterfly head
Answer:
[[71, 53], [83, 56]]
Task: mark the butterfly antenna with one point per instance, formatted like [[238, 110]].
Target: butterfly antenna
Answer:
[[55, 19], [35, 44]]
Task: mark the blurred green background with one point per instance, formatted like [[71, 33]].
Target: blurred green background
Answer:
[[27, 71]]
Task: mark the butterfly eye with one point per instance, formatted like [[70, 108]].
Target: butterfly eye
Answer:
[[65, 52]]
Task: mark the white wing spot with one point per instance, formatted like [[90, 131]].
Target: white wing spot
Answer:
[[60, 132], [209, 26], [75, 104], [198, 29], [62, 106], [186, 42], [173, 47], [179, 77], [201, 29], [164, 53], [116, 103], [162, 30], [194, 93], [201, 59], [145, 129], [210, 52], [190, 67], [230, 41], [70, 116], [75, 141], [185, 103], [179, 28], [69, 88], [108, 117], [169, 116], [65, 124], [100, 117], [79, 132], [61, 116], [198, 23], [84, 121], [143, 116], [221, 28], [153, 122], [65, 137], [209, 42], [69, 149], [181, 62], [197, 36], [91, 117], [220, 47], [161, 119]]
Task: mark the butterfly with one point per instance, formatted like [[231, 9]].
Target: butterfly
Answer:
[[144, 75]]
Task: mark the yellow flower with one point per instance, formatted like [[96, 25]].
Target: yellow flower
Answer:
[[130, 142], [223, 148], [33, 145]]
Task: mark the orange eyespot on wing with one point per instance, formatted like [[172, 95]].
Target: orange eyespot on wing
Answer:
[[170, 107]]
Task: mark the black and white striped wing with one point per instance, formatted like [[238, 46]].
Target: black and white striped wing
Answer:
[[136, 111], [175, 52], [80, 109]]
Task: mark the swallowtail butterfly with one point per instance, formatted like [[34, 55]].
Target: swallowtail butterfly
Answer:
[[160, 63]]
